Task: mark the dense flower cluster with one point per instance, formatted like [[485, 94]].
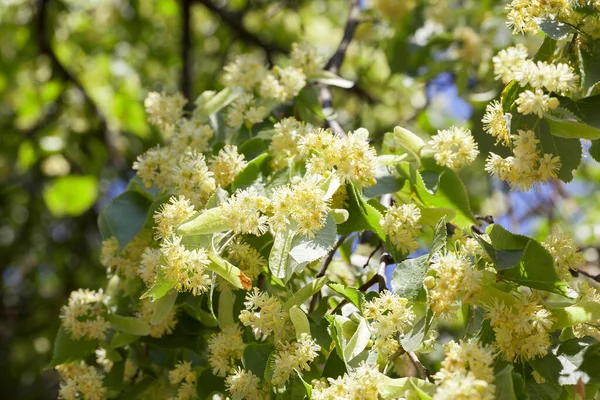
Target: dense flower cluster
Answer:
[[526, 16], [265, 314], [364, 382], [293, 357], [528, 166], [522, 329], [224, 348], [84, 316], [401, 225], [455, 281], [79, 380], [390, 315], [183, 376], [454, 147], [566, 254], [467, 372]]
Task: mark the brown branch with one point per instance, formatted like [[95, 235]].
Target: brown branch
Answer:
[[186, 51], [586, 274], [336, 60], [316, 297], [334, 64], [45, 47]]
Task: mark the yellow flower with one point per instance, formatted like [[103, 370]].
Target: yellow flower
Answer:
[[401, 225]]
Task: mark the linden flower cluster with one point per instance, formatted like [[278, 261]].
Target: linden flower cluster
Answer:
[[401, 226], [124, 263], [390, 315], [186, 268], [165, 327], [265, 314], [467, 372], [226, 165], [364, 382], [250, 261], [164, 111], [245, 111], [285, 141], [567, 256], [83, 316], [526, 168], [293, 357], [80, 381], [352, 157], [454, 147], [522, 329], [525, 16], [244, 385], [172, 214], [588, 293], [224, 348], [303, 204], [454, 281], [183, 376], [243, 212]]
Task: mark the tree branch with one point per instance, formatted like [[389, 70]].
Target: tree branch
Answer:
[[45, 48], [316, 297], [334, 64], [186, 51]]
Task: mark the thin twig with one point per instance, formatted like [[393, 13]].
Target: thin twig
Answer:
[[587, 275], [334, 64], [379, 246], [316, 297], [424, 372]]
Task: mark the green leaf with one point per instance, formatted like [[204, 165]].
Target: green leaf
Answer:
[[300, 321], [399, 387], [206, 385], [113, 381], [305, 250], [591, 362], [567, 127], [251, 173], [555, 29], [279, 263], [535, 267], [308, 105], [569, 150], [160, 287], [228, 271], [536, 270], [504, 384], [163, 307], [131, 325], [331, 79], [407, 280], [68, 350], [225, 314], [385, 182], [121, 339], [358, 342], [595, 150], [546, 50], [218, 101], [353, 295], [305, 292], [440, 235], [586, 109], [503, 259], [124, 217], [509, 95], [413, 339], [256, 357], [205, 223], [580, 313], [447, 191], [253, 148], [363, 216], [70, 195], [334, 367], [589, 61]]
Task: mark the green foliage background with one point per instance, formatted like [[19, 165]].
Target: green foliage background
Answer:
[[73, 76]]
